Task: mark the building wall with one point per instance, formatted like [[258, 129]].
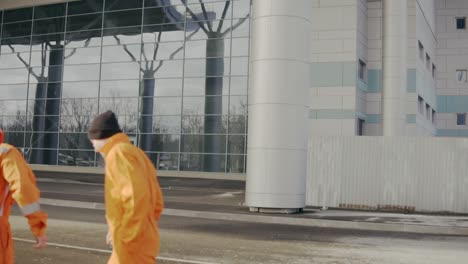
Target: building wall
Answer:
[[333, 95], [452, 55], [422, 29], [374, 65]]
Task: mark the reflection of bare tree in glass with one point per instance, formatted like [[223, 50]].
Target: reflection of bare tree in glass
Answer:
[[47, 101], [192, 124], [214, 80], [147, 87], [76, 115]]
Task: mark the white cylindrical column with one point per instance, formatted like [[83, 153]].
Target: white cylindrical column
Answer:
[[279, 81], [394, 66]]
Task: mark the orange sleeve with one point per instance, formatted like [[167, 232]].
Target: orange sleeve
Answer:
[[24, 190]]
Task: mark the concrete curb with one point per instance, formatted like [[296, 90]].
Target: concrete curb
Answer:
[[284, 220]]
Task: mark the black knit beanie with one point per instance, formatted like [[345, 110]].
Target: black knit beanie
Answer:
[[104, 126]]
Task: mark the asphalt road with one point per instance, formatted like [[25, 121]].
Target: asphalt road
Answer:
[[78, 236]]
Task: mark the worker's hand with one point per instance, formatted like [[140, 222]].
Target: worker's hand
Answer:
[[41, 242]]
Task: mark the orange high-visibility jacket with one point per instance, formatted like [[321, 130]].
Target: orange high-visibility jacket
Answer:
[[17, 183], [134, 202]]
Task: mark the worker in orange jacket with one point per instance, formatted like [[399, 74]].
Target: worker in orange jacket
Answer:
[[133, 196], [17, 183]]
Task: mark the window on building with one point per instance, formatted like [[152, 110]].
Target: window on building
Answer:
[[360, 127], [433, 71], [428, 112], [433, 116], [461, 119], [420, 105], [421, 50], [428, 61], [461, 76], [461, 22], [362, 70]]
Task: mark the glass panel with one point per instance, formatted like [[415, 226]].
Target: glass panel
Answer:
[[163, 50], [11, 61], [168, 87], [240, 47], [13, 91], [120, 71], [198, 48], [239, 85], [76, 158], [154, 16], [77, 113], [88, 72], [196, 86], [84, 22], [129, 35], [45, 11], [13, 107], [49, 26], [123, 4], [192, 124], [85, 6], [124, 88], [241, 8], [82, 55], [241, 28], [56, 39], [122, 53], [83, 39], [195, 143], [171, 32], [165, 143], [123, 18], [75, 141], [240, 66], [17, 15], [128, 123], [194, 162], [80, 89], [15, 138], [13, 76], [167, 105], [237, 124], [169, 69], [236, 144], [18, 45], [236, 164], [121, 106], [238, 105], [198, 68], [165, 161], [17, 29], [166, 124]]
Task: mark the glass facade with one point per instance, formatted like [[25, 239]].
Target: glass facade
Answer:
[[174, 71]]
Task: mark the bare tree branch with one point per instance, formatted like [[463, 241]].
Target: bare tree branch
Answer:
[[71, 54], [160, 64], [28, 66], [239, 22], [195, 17], [156, 49], [226, 7], [205, 14], [126, 49]]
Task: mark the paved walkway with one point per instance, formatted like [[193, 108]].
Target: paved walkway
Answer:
[[223, 200]]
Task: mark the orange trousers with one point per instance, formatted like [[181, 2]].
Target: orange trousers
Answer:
[[6, 242]]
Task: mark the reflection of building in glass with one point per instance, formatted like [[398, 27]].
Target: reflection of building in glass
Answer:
[[175, 72]]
